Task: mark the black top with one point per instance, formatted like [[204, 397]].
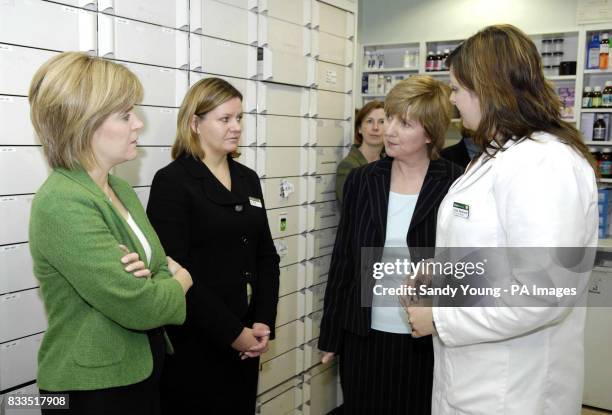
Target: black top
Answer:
[[457, 153]]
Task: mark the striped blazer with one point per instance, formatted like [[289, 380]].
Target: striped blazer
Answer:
[[363, 224]]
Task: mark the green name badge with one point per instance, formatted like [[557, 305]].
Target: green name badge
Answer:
[[461, 210]]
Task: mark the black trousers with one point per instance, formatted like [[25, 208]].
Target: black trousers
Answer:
[[141, 398], [386, 374]]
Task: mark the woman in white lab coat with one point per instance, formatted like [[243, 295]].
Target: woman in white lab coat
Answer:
[[534, 185]]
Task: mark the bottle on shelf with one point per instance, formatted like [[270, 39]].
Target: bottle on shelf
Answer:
[[557, 44], [604, 50], [407, 58], [597, 98], [381, 60], [599, 129], [429, 63], [438, 61], [605, 163], [587, 97], [593, 54], [546, 46], [367, 60], [444, 57], [606, 96]]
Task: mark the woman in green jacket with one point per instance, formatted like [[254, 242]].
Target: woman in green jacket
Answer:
[[104, 346], [369, 130]]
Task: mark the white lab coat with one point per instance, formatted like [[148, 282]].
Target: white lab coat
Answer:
[[510, 360]]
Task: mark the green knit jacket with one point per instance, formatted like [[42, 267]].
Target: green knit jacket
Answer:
[[98, 313]]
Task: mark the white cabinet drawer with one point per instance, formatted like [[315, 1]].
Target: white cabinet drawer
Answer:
[[321, 188], [276, 130], [133, 41], [288, 336], [163, 87], [16, 268], [15, 125], [140, 171], [245, 4], [247, 88], [324, 160], [17, 67], [279, 369], [27, 308], [334, 77], [282, 100], [312, 325], [290, 307], [281, 161], [292, 279], [312, 355], [288, 68], [317, 270], [285, 403], [18, 361], [222, 57], [15, 214], [331, 48], [287, 221], [315, 296], [323, 215], [22, 170], [282, 36], [321, 242], [291, 249], [289, 191], [162, 12], [225, 21], [26, 22], [327, 104], [321, 390], [293, 11], [332, 133], [248, 157], [159, 125], [334, 20]]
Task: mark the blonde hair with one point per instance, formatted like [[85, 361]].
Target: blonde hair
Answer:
[[70, 97], [203, 97], [426, 101]]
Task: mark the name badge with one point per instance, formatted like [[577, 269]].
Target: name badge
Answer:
[[461, 210], [255, 201]]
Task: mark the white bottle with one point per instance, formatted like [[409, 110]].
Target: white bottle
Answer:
[[366, 60], [381, 60], [407, 58]]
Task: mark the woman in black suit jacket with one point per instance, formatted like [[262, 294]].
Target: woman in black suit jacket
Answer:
[[209, 213], [389, 203]]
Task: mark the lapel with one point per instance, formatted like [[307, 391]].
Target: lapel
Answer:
[[378, 186], [432, 191]]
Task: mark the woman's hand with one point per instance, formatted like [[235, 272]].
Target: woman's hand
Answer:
[[245, 341], [327, 357], [421, 321], [133, 263], [261, 332], [180, 274]]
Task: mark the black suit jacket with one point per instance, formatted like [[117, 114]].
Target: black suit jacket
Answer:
[[363, 224], [224, 240], [457, 153]]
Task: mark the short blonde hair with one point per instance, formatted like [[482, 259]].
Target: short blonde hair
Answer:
[[70, 97], [203, 97], [426, 101]]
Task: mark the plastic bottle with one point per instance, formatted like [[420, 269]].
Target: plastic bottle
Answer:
[[599, 129], [587, 97], [429, 63], [597, 97], [438, 61], [444, 57], [604, 50], [407, 59], [366, 59], [593, 54], [606, 96], [605, 163]]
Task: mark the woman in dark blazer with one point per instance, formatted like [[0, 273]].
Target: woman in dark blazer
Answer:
[[389, 203], [209, 213]]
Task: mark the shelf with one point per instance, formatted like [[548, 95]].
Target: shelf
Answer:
[[372, 96], [604, 180], [561, 78], [456, 120], [597, 71], [437, 73], [599, 143], [604, 110], [605, 243], [384, 70]]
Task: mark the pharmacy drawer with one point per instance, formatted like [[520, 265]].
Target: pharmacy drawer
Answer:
[[15, 125], [333, 20], [163, 87], [16, 268], [326, 104], [292, 279], [323, 215], [18, 361], [159, 125], [222, 57], [282, 400], [282, 36], [324, 160], [133, 41], [333, 133], [247, 88], [15, 214], [225, 21], [287, 68], [244, 4], [291, 249], [162, 12], [321, 242], [321, 390], [31, 389], [143, 195], [293, 11], [248, 157], [287, 221], [27, 308], [17, 67], [290, 307], [334, 77], [22, 169], [279, 369], [140, 171], [312, 355], [26, 22], [288, 336], [288, 191], [282, 100], [314, 298], [322, 188], [281, 161], [312, 325], [276, 130], [317, 270], [331, 48]]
